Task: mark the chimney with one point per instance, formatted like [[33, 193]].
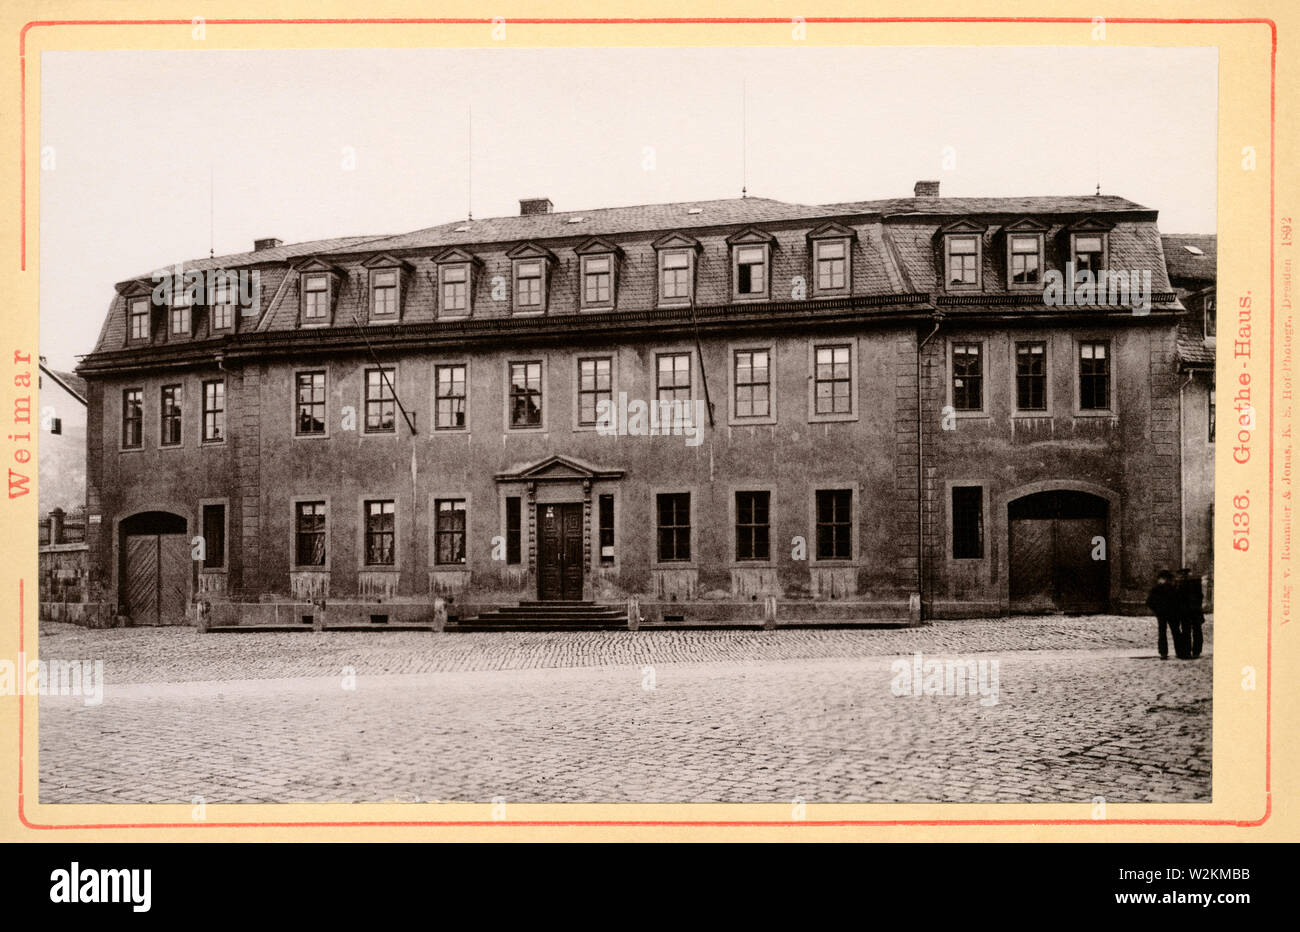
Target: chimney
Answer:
[[534, 205], [926, 189], [269, 242]]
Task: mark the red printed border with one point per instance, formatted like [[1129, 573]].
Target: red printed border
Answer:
[[683, 21]]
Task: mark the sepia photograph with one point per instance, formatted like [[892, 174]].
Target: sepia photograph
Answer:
[[788, 425]]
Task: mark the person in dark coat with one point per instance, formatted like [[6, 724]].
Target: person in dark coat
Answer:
[[1164, 602], [1192, 597]]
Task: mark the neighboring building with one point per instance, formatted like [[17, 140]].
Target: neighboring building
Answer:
[[1192, 261], [61, 476], [61, 451], [393, 419]]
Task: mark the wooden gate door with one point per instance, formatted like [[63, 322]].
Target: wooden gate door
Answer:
[[1053, 550], [157, 581], [559, 552]]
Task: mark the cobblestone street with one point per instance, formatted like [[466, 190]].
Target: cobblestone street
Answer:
[[1084, 708]]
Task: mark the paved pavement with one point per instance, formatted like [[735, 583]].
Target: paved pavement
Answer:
[[1083, 708]]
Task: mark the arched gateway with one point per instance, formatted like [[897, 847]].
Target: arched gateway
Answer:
[[1059, 552], [154, 580]]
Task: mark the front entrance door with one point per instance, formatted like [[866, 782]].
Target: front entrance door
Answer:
[[559, 552], [1055, 554], [156, 568]]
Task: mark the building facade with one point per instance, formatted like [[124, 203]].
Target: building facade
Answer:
[[882, 409], [1192, 261]]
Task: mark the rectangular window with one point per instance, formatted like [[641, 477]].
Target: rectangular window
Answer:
[[214, 412], [597, 281], [214, 537], [1094, 376], [180, 317], [595, 384], [514, 531], [751, 270], [170, 414], [222, 311], [674, 527], [449, 531], [834, 524], [752, 526], [967, 522], [455, 289], [133, 418], [315, 298], [139, 319], [1024, 260], [222, 316], [673, 378], [753, 383], [606, 520], [1089, 252], [525, 394], [674, 275], [383, 293], [967, 377], [449, 382], [381, 404], [311, 404], [1210, 414], [833, 381], [380, 532], [309, 543], [832, 265], [963, 260], [1031, 376], [1211, 324], [528, 284]]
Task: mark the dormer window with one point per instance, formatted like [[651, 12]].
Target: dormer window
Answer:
[[138, 318], [221, 312], [453, 289], [315, 298], [830, 247], [455, 283], [384, 294], [831, 258], [751, 271], [675, 276], [528, 284], [675, 255], [531, 270], [1025, 256], [751, 252], [598, 281], [180, 313], [1088, 252], [963, 260]]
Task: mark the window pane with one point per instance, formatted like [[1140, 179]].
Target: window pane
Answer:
[[525, 394], [967, 523]]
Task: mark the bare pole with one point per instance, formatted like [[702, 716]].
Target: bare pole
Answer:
[[744, 137]]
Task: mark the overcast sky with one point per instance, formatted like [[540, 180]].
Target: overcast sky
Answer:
[[137, 135]]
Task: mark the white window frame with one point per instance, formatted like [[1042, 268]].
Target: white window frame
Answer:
[[323, 319], [765, 293], [375, 287], [582, 281], [949, 284], [661, 268]]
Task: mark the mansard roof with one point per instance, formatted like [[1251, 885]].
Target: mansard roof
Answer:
[[1191, 256]]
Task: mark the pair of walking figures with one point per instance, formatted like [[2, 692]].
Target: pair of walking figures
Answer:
[[1177, 607]]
